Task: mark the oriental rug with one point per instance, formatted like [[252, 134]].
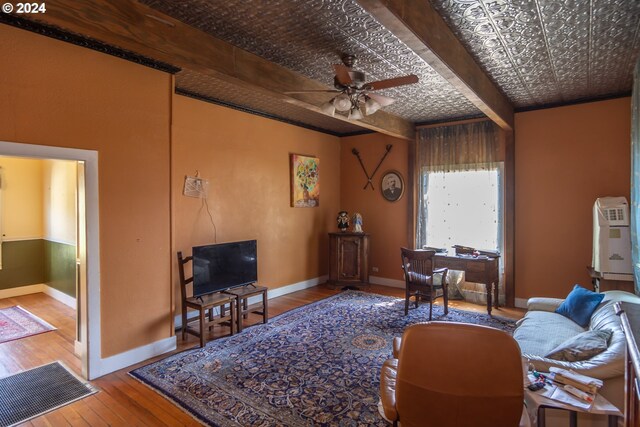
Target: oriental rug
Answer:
[[315, 365], [16, 323], [31, 393]]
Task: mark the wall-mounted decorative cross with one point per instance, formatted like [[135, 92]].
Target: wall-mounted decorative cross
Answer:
[[369, 178]]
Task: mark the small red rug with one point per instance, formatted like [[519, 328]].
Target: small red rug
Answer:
[[16, 323]]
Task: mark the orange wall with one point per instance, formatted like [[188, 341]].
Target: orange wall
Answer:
[[566, 157], [246, 159], [61, 95], [385, 221]]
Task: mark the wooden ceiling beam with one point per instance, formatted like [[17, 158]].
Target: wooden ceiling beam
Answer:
[[420, 27], [138, 28]]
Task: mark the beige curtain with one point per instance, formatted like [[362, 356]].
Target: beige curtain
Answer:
[[460, 148], [469, 146]]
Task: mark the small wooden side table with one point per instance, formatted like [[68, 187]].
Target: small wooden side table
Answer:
[[242, 294], [537, 403]]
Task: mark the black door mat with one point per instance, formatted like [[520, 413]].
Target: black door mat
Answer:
[[31, 393]]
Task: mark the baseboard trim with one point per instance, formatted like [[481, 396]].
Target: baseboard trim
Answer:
[[60, 296], [22, 290], [37, 288], [521, 302], [271, 293], [133, 356], [393, 283]]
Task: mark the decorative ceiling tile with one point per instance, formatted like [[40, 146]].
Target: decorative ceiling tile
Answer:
[[550, 51], [309, 36], [220, 91]]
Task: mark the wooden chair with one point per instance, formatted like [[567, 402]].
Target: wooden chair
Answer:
[[242, 295], [205, 305], [418, 276]]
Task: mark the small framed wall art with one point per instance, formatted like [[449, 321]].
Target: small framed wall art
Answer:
[[392, 186], [305, 181]]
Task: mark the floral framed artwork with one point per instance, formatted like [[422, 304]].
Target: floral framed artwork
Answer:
[[305, 181], [392, 186]]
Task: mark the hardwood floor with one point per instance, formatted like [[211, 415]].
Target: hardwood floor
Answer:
[[122, 400]]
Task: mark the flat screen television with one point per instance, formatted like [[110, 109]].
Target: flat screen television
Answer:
[[223, 266]]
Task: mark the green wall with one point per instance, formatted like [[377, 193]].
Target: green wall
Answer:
[[30, 262], [60, 266], [22, 263]]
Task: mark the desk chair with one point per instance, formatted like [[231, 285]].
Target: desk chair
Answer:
[[205, 305], [418, 277], [454, 375]]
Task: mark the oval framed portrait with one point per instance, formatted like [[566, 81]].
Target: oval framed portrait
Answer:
[[392, 186]]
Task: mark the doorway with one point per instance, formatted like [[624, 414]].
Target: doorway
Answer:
[[86, 250]]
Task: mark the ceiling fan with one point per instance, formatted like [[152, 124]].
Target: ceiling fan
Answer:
[[354, 94]]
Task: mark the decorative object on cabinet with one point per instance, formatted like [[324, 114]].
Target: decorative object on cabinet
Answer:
[[369, 178], [392, 186], [349, 260], [357, 223], [343, 221], [305, 181]]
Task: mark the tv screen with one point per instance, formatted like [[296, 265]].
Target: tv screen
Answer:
[[223, 266]]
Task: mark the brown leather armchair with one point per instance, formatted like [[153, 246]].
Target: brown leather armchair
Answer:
[[454, 375]]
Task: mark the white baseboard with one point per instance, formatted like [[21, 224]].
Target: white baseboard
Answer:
[[40, 287], [271, 293], [136, 355], [60, 296], [78, 348], [521, 302], [22, 290], [394, 283]]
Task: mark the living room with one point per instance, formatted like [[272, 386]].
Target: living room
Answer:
[[148, 138]]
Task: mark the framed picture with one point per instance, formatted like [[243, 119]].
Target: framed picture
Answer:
[[305, 181], [392, 186]]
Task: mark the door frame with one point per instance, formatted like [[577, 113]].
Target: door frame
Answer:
[[90, 317]]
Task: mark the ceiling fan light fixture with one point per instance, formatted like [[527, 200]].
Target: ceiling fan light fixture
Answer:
[[342, 102], [328, 108], [355, 114], [371, 106]]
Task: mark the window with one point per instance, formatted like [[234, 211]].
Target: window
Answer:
[[463, 208]]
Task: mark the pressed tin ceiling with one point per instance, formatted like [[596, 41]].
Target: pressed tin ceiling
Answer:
[[309, 36], [538, 52], [550, 51]]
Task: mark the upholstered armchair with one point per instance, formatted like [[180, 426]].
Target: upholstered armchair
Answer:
[[454, 375]]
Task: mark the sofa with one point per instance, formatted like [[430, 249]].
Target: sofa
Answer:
[[542, 330]]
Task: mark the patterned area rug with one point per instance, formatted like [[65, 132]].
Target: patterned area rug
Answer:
[[16, 323], [315, 365]]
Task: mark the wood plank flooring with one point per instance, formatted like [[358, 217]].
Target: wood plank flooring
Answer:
[[123, 401]]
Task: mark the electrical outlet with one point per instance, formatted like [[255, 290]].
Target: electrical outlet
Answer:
[[374, 269]]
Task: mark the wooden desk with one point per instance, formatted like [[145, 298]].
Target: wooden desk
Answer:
[[479, 270]]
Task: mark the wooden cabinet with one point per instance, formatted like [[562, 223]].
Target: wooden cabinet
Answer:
[[348, 259]]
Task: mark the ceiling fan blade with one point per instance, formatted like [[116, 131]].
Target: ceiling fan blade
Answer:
[[381, 99], [313, 91], [396, 81], [342, 74]]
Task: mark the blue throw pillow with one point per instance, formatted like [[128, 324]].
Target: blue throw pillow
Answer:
[[580, 305]]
